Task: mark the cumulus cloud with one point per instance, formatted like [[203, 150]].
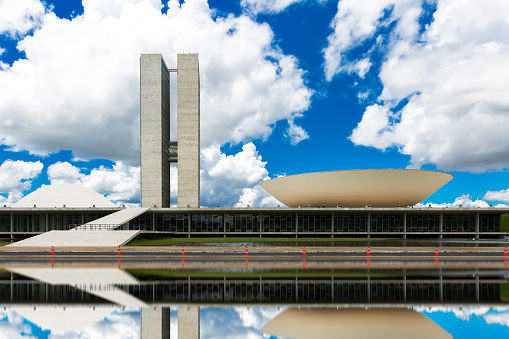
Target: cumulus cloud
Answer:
[[497, 318], [233, 180], [464, 201], [81, 78], [443, 91], [15, 177], [13, 327], [502, 195], [296, 133], [463, 313], [20, 16], [267, 6], [121, 184]]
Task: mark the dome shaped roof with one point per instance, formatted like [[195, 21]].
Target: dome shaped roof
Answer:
[[58, 195], [357, 188]]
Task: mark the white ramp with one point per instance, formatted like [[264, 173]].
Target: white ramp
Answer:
[[78, 239], [114, 220], [99, 281], [91, 234]]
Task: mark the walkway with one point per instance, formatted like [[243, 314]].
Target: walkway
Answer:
[[97, 233]]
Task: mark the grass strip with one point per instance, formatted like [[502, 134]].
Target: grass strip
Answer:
[[168, 241], [504, 223], [148, 275]]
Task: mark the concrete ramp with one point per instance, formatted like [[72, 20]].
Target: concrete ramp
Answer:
[[113, 221], [78, 239]]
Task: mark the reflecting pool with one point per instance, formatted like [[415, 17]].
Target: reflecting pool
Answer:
[[83, 300]]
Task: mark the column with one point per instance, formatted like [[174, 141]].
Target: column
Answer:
[[189, 322]]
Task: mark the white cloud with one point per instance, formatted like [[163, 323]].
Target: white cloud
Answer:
[[296, 133], [81, 78], [497, 318], [12, 326], [455, 76], [20, 16], [15, 177], [267, 6], [464, 201], [233, 180], [502, 195], [463, 313], [121, 184]]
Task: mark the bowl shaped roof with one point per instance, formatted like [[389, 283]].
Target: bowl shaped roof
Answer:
[[357, 188]]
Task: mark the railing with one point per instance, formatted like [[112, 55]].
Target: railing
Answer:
[[106, 227]]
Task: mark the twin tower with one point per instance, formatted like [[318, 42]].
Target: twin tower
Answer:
[[157, 150]]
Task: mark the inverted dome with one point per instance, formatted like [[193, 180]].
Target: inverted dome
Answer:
[[357, 188], [354, 323], [49, 196]]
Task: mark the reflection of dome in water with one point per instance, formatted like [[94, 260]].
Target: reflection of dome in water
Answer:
[[60, 319], [353, 323], [357, 188], [72, 196]]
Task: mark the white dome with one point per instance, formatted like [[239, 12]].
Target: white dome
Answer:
[[72, 196]]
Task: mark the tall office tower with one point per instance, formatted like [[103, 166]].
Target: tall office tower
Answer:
[[188, 130], [154, 131]]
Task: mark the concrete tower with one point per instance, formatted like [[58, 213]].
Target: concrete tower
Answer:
[[154, 131], [188, 130], [157, 151]]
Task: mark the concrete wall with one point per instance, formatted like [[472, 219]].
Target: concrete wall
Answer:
[[155, 322], [189, 322], [154, 131], [188, 129]]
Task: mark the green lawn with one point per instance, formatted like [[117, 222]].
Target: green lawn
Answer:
[[504, 223], [171, 274], [166, 241]]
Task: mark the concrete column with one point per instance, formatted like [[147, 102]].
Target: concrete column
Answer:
[[404, 225], [154, 131], [332, 225], [441, 225], [12, 227], [368, 226], [188, 130], [477, 225], [189, 322], [155, 322]]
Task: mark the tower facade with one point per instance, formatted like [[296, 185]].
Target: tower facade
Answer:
[[154, 131], [188, 130], [157, 151]]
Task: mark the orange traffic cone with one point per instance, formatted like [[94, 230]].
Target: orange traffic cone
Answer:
[[304, 252], [368, 254], [247, 253], [53, 250], [182, 254], [118, 252], [505, 252], [436, 251]]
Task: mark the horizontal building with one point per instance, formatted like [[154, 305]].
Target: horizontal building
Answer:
[[268, 222]]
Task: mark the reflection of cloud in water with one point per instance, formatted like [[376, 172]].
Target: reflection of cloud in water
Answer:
[[237, 322], [493, 315], [12, 326], [173, 323], [119, 324], [497, 318]]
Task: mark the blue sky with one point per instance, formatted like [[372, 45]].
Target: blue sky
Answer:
[[288, 87]]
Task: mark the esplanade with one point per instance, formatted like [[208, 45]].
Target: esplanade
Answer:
[[366, 203]]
